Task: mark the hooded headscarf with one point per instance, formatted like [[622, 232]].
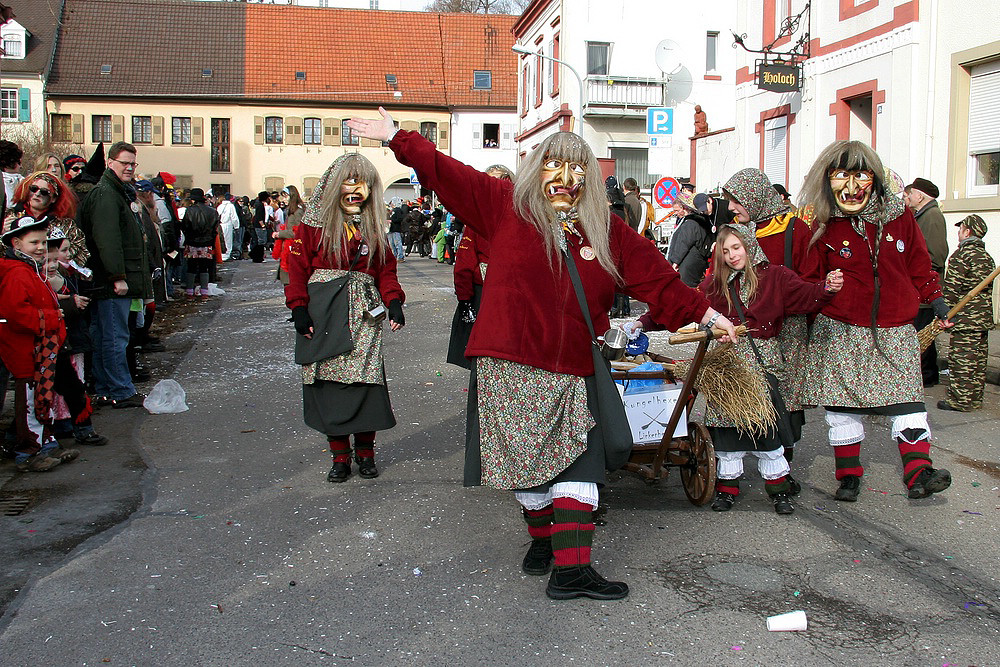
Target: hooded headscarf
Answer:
[[755, 254], [752, 189]]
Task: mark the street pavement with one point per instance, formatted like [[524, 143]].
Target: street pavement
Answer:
[[237, 551]]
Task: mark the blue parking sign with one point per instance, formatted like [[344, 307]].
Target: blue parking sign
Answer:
[[659, 120]]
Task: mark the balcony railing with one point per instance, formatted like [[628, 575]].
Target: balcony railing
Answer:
[[624, 93]]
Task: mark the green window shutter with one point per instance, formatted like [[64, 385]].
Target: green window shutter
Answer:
[[24, 105]]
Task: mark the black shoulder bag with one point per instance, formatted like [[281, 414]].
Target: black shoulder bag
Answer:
[[783, 423], [611, 419], [329, 307]]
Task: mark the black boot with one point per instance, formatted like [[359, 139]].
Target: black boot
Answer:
[[538, 560], [366, 466], [566, 583], [782, 503], [929, 480], [723, 501], [850, 486], [794, 488], [340, 472]]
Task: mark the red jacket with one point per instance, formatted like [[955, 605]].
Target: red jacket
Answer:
[[25, 301], [904, 269], [529, 312], [804, 258], [472, 251], [304, 258]]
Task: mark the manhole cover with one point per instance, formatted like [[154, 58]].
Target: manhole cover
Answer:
[[13, 506]]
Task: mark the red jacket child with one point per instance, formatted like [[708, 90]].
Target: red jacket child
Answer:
[[30, 309]]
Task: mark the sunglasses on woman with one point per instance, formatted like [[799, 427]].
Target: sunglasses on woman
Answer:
[[77, 168], [33, 189]]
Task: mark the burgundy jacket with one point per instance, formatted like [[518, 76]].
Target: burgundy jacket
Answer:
[[780, 293], [529, 312], [472, 251], [304, 257], [804, 258], [904, 268]]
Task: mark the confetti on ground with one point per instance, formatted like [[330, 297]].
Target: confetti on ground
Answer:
[[976, 484], [971, 512], [856, 560], [797, 593], [736, 648], [417, 572], [974, 604], [249, 430], [884, 493]]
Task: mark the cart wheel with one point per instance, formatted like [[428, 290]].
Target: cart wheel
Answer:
[[699, 475]]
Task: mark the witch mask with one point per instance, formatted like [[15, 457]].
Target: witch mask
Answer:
[[851, 188], [562, 182], [353, 194]]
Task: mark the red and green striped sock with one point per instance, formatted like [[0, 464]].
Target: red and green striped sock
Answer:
[[340, 447], [572, 532], [364, 444], [728, 486], [916, 456], [776, 486], [848, 460], [539, 522]]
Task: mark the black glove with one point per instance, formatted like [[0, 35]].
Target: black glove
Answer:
[[468, 312], [940, 308], [303, 323], [396, 312]]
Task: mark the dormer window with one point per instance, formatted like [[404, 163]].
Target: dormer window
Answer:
[[14, 37]]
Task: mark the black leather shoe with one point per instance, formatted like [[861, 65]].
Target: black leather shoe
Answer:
[[366, 467], [782, 503], [945, 405], [794, 488], [850, 486], [340, 472], [567, 583], [929, 481], [538, 560], [723, 501]]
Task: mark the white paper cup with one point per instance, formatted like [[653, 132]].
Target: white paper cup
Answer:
[[790, 622]]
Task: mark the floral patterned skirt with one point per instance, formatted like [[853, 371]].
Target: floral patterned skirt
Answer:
[[364, 362], [794, 341], [533, 423], [845, 369], [194, 252]]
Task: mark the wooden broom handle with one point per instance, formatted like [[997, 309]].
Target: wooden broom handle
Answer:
[[695, 336], [972, 293]]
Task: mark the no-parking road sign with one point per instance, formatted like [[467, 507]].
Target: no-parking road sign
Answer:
[[666, 190]]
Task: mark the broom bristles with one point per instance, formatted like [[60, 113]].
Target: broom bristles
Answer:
[[927, 335]]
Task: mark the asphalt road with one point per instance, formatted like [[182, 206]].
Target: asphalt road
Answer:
[[235, 550]]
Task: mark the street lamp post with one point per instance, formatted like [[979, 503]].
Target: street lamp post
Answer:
[[517, 48]]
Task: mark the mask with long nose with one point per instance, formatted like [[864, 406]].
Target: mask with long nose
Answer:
[[852, 188], [563, 182]]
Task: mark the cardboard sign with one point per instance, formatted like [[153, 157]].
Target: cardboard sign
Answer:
[[649, 412]]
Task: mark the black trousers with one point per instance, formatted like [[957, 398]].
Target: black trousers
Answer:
[[929, 359]]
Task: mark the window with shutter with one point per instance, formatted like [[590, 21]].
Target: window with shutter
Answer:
[[258, 129], [142, 129], [312, 133], [101, 129], [77, 128], [776, 148], [984, 130], [118, 128], [181, 130], [61, 126], [197, 131], [293, 131], [157, 130], [24, 105], [443, 142], [331, 131]]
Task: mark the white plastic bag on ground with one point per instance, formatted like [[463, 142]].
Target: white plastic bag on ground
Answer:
[[167, 398], [215, 290]]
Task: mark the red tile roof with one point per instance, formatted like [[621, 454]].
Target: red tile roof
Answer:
[[159, 48]]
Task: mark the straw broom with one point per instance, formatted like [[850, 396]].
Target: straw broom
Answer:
[[927, 335]]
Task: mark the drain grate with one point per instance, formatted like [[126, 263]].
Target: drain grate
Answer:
[[13, 506]]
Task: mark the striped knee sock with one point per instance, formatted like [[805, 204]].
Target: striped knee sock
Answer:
[[572, 532], [848, 460], [916, 457], [340, 447], [364, 444], [539, 522], [728, 486], [776, 486]]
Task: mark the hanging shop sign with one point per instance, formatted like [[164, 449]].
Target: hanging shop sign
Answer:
[[779, 78]]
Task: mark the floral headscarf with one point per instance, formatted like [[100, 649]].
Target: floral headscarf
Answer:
[[752, 189]]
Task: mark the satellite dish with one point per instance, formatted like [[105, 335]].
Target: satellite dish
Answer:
[[668, 56], [678, 88]]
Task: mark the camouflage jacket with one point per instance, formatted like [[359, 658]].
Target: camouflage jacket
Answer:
[[967, 267]]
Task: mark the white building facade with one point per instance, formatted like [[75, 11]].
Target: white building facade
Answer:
[[917, 80], [612, 45], [22, 106], [483, 138]]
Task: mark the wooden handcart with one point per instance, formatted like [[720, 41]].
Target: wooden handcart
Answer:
[[693, 454]]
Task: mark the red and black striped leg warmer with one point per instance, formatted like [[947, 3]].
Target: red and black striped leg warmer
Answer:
[[340, 447], [916, 457], [572, 532], [364, 444], [539, 522], [848, 460], [728, 486], [776, 486]]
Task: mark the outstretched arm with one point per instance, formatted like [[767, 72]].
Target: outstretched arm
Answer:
[[475, 198]]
